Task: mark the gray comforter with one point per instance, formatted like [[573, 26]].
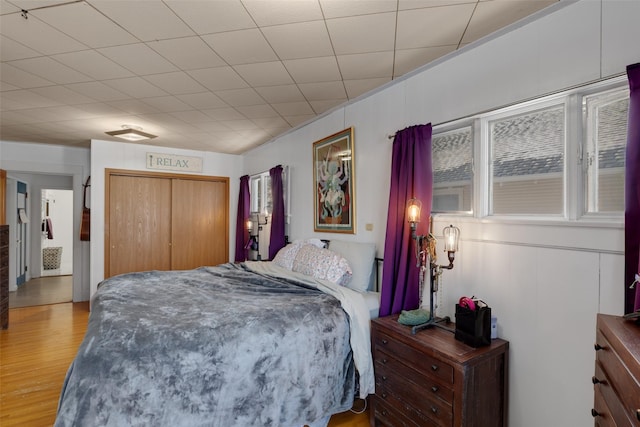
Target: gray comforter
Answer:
[[215, 346]]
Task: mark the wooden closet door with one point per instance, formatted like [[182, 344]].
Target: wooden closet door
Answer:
[[200, 225], [139, 224]]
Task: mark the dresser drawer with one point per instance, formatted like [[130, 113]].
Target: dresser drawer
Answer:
[[615, 409], [602, 415], [618, 378], [421, 362], [398, 412], [389, 369]]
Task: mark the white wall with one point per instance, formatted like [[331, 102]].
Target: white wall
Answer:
[[58, 163], [545, 281], [60, 214], [116, 155]]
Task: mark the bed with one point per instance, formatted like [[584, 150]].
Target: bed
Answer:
[[282, 343]]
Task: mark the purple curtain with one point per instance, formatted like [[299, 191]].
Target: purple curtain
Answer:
[[244, 208], [277, 239], [411, 177], [632, 193]]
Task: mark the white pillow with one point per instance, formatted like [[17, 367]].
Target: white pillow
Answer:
[[285, 256], [322, 264], [361, 258]]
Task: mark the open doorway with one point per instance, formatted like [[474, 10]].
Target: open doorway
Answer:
[[48, 274]]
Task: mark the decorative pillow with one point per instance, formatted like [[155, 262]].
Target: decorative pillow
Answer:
[[285, 256], [322, 264], [361, 258]]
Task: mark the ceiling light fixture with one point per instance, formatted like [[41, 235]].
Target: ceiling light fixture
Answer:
[[131, 133]]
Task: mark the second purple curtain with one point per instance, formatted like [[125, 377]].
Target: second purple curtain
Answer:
[[632, 192], [277, 239], [411, 177], [244, 208]]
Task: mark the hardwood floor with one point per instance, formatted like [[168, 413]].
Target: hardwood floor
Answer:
[[35, 353], [42, 290]]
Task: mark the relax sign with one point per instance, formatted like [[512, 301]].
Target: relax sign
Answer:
[[173, 162]]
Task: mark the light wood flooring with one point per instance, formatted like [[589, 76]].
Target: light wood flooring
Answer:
[[42, 290], [35, 353]]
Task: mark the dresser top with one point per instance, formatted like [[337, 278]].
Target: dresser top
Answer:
[[439, 341]]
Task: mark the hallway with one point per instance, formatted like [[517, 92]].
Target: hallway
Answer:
[[43, 290]]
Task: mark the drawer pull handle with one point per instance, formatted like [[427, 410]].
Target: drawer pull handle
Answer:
[[595, 381], [384, 395], [598, 347], [434, 409], [434, 389], [434, 367], [384, 412], [384, 378], [385, 342], [594, 413], [384, 361]]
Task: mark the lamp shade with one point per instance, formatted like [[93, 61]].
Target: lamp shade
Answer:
[[414, 206], [451, 236]]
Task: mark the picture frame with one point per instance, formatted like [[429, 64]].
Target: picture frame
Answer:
[[334, 183]]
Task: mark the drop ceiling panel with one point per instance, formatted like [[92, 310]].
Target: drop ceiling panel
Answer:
[[220, 78], [139, 59], [407, 60], [97, 91], [37, 35], [366, 65], [323, 91], [240, 97], [46, 67], [62, 95], [93, 64], [356, 88], [167, 104], [241, 47], [206, 17], [309, 70], [435, 26], [302, 40], [146, 20], [175, 83], [276, 12], [136, 87], [280, 94], [19, 78], [11, 50], [264, 74], [85, 24], [189, 53], [359, 34], [202, 100], [339, 9]]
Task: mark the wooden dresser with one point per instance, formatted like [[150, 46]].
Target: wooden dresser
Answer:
[[4, 276], [430, 379], [617, 372]]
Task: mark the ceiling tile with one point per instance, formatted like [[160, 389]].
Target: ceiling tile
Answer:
[[434, 26], [293, 108], [360, 34], [258, 111], [323, 91], [147, 20], [138, 58], [189, 53], [224, 114], [241, 47], [133, 106], [276, 12], [212, 126], [136, 87], [302, 40], [298, 119], [244, 124], [4, 86], [97, 91], [91, 63], [276, 122], [421, 4], [340, 8], [37, 35], [366, 65], [409, 59], [220, 78], [203, 100], [207, 17], [11, 50], [62, 95], [85, 24], [191, 116], [27, 99], [490, 16], [280, 94], [17, 77], [240, 97], [167, 104], [175, 83], [47, 68], [356, 88], [312, 70], [322, 106], [264, 74]]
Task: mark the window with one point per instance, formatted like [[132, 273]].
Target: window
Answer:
[[606, 116], [527, 162], [260, 189], [452, 160]]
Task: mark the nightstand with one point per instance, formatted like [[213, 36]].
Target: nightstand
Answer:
[[431, 379]]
